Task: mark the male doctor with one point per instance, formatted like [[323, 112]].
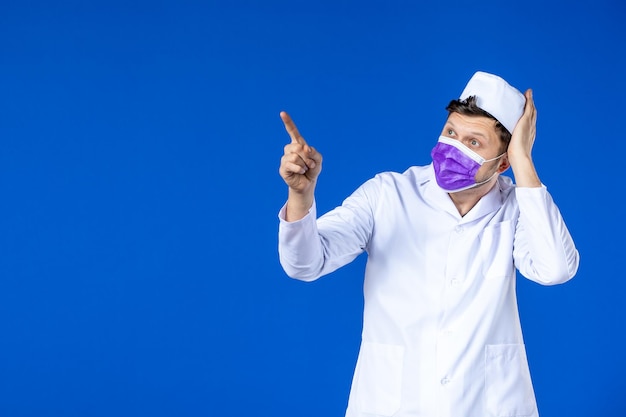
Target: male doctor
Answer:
[[441, 330]]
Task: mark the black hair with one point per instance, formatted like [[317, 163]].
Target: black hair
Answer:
[[468, 107]]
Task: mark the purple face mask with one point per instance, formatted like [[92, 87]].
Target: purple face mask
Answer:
[[456, 165]]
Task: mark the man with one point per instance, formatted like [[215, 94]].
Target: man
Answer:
[[441, 329]]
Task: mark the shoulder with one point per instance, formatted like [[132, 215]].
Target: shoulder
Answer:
[[412, 175], [391, 183]]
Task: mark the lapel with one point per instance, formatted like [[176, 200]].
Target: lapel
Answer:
[[489, 203]]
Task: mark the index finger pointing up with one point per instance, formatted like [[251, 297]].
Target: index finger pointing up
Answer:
[[291, 128]]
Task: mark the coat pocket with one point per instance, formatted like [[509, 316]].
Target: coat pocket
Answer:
[[508, 391], [378, 379]]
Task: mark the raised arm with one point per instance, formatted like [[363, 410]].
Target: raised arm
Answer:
[[544, 249]]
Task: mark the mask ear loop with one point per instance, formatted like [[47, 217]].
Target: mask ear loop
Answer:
[[493, 159], [486, 181], [494, 174]]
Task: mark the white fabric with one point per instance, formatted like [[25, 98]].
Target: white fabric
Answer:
[[441, 331], [497, 97]]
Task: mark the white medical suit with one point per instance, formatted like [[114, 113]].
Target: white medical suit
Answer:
[[441, 330]]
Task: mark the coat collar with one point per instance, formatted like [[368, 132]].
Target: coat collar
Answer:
[[489, 203]]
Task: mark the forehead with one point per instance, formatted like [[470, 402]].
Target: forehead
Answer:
[[473, 125]]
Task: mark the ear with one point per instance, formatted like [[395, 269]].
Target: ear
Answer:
[[504, 164]]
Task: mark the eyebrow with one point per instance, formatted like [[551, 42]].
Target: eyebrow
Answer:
[[475, 133]]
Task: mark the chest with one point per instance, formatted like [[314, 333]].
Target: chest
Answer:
[[418, 237]]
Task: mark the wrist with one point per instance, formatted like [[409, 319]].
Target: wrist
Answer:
[[298, 205], [525, 173]]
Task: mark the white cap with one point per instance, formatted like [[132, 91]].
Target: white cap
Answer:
[[497, 97]]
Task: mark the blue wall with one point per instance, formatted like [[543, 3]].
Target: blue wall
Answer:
[[140, 144]]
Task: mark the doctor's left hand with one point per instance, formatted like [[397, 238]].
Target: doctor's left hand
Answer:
[[519, 152]]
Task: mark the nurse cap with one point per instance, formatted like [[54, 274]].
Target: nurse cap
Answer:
[[497, 97]]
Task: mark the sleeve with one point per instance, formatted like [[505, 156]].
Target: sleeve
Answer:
[[544, 250], [310, 248]]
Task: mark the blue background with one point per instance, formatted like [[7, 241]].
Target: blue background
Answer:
[[140, 144]]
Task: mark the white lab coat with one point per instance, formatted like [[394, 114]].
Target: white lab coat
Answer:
[[441, 331]]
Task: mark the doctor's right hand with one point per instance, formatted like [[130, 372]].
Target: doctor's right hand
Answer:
[[301, 164]]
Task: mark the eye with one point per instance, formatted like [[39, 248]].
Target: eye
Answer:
[[450, 132], [474, 142]]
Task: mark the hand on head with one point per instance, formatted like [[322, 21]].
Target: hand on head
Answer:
[[523, 137], [520, 148]]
